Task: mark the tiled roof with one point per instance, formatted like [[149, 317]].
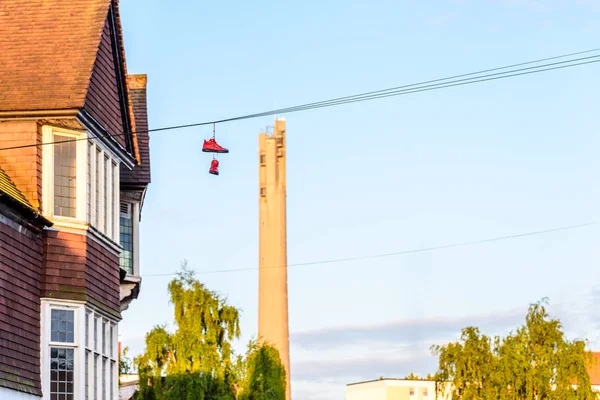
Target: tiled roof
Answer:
[[7, 186], [48, 49], [140, 175]]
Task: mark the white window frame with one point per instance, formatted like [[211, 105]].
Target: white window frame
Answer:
[[84, 216], [80, 346], [134, 212], [48, 133]]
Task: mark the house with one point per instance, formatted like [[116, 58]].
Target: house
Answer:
[[74, 171], [394, 389]]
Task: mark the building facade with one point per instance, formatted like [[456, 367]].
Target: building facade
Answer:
[[394, 389], [73, 177]]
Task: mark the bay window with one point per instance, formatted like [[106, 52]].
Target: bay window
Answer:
[[128, 232], [80, 182], [79, 352]]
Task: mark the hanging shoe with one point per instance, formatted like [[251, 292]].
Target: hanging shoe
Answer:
[[214, 167], [211, 146]]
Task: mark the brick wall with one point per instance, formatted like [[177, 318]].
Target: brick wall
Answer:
[[20, 268], [24, 166]]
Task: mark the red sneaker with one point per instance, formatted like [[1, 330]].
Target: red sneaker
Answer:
[[211, 146], [214, 167]]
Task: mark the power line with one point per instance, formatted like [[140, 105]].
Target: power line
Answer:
[[398, 253], [475, 77]]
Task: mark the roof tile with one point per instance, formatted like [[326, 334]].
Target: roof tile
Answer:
[[48, 51]]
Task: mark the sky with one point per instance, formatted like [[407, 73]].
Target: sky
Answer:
[[429, 169]]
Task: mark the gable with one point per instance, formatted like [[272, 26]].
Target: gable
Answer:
[[47, 52], [107, 100]]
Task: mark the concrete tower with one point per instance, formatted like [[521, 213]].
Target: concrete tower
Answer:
[[272, 276]]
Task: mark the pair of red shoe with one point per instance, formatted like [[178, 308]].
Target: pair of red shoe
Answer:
[[211, 146]]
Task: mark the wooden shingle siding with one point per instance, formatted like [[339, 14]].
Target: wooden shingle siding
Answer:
[[76, 267], [103, 276], [20, 268], [102, 100], [140, 175]]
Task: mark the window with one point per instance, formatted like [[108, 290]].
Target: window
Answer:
[[425, 392], [61, 373], [126, 233], [88, 190], [80, 182], [65, 178], [79, 353], [412, 391], [103, 386], [98, 189], [62, 354]]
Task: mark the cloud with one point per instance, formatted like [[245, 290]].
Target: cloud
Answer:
[[405, 331], [357, 369]]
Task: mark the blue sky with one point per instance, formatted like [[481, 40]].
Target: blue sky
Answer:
[[428, 169]]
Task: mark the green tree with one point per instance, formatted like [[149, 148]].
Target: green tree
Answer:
[[536, 362], [196, 359], [264, 376], [124, 362], [415, 377]]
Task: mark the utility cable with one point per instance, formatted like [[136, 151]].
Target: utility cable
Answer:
[[441, 83], [398, 253]]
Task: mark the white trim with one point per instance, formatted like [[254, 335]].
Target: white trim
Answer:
[[97, 153], [116, 201], [136, 239], [99, 237], [80, 346], [133, 212]]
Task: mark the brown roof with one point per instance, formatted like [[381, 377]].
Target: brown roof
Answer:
[[140, 175], [48, 52], [594, 369]]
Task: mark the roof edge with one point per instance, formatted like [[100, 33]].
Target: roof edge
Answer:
[[31, 214]]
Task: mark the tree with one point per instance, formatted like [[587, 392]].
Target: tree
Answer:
[[197, 356], [415, 377], [196, 360], [536, 362], [124, 362], [264, 376]]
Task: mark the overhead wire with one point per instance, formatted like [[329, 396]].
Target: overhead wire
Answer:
[[435, 84], [382, 255]]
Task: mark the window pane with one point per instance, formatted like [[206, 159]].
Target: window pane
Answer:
[[112, 340], [112, 379], [96, 334], [104, 361], [114, 202], [94, 386], [106, 190], [61, 373], [104, 331], [62, 326], [87, 374], [126, 240], [65, 161], [98, 198], [88, 189]]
